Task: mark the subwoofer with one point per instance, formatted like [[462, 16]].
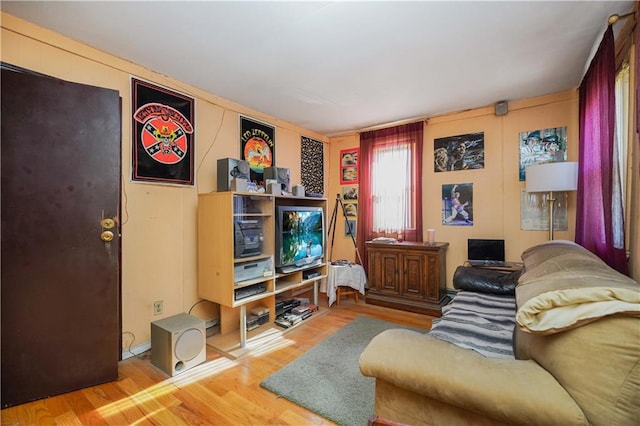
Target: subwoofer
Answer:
[[178, 343], [229, 168], [281, 174]]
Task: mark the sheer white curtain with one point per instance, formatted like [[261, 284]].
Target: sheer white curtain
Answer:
[[391, 188], [620, 153]]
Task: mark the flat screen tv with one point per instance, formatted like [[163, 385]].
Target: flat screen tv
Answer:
[[299, 236]]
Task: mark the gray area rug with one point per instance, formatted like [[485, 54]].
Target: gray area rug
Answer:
[[327, 380]]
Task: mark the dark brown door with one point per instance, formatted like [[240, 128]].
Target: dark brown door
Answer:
[[60, 148]]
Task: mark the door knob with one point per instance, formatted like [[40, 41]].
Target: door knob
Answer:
[[106, 236], [107, 223]]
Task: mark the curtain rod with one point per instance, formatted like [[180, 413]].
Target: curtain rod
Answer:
[[615, 17]]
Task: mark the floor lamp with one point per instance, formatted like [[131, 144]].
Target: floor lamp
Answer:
[[552, 177]]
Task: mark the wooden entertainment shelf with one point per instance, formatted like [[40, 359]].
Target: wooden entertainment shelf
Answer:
[[241, 276]]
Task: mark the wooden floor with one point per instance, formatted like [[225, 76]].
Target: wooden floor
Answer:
[[218, 392]]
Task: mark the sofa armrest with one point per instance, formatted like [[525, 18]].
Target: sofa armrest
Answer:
[[511, 391]]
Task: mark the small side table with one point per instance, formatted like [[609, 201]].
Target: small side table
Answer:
[[343, 280]]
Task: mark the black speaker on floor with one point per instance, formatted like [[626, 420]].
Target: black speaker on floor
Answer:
[[281, 174], [229, 168], [178, 343]]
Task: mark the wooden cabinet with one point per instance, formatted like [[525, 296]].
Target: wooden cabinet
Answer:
[[236, 262], [408, 276]]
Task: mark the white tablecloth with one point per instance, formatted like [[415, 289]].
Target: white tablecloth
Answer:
[[351, 275]]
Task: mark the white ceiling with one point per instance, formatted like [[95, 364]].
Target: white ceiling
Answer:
[[335, 67]]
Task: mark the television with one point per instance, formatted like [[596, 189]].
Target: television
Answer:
[[299, 237]]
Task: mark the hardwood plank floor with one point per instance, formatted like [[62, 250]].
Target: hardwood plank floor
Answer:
[[219, 392]]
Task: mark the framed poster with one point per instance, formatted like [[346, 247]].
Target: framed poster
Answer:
[[350, 228], [350, 192], [457, 204], [163, 135], [257, 147], [534, 211], [351, 208], [460, 152], [349, 166], [312, 165], [542, 146]]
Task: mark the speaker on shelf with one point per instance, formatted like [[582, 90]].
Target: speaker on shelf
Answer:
[[230, 168], [281, 174], [178, 343]]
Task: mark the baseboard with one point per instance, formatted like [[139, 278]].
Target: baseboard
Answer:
[[135, 350]]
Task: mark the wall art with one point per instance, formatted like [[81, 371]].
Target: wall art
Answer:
[[542, 146], [351, 209], [349, 166], [349, 192], [352, 224], [257, 147], [457, 204], [163, 135], [460, 152], [312, 165], [534, 211]]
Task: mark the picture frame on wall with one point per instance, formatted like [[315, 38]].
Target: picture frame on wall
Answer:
[[349, 157], [351, 209], [541, 146], [534, 211], [348, 223], [457, 204], [257, 147], [349, 163], [349, 192], [163, 137], [461, 152], [348, 175], [312, 164]]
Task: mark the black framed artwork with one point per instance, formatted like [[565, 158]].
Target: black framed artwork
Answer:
[[163, 135], [312, 165], [257, 147]]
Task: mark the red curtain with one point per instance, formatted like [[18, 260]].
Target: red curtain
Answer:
[[594, 217], [368, 142]]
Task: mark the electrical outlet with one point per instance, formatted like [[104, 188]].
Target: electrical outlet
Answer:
[[157, 307]]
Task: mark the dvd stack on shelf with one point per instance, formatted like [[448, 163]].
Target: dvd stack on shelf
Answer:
[[290, 312]]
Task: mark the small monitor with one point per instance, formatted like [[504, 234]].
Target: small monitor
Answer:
[[485, 251]]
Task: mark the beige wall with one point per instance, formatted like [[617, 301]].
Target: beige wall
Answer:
[[172, 210], [496, 188], [158, 222]]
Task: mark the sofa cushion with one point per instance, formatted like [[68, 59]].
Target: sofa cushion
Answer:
[[506, 391], [598, 365], [564, 286], [535, 255]]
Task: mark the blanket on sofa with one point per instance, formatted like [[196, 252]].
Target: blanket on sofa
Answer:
[[480, 322]]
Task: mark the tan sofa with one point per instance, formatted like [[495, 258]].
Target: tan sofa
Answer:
[[576, 344]]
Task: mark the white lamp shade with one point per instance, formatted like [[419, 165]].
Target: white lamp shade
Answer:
[[560, 176]]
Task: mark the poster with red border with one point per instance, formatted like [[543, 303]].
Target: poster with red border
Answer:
[[163, 135], [349, 166]]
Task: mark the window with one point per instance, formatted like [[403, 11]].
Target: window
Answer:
[[391, 189], [390, 199], [621, 156]]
